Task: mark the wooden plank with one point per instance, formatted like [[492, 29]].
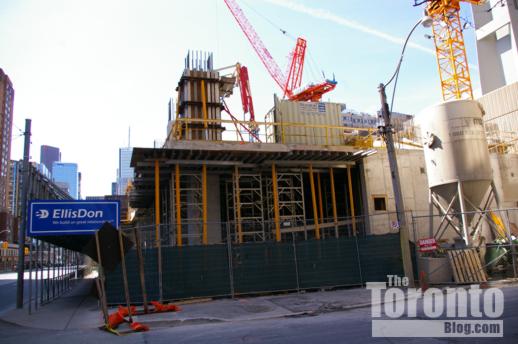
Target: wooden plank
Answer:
[[453, 266], [461, 265], [474, 276], [478, 264], [473, 263], [468, 277]]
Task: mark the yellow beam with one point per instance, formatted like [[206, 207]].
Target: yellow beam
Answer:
[[320, 204], [351, 199], [276, 205], [314, 202], [204, 202], [238, 205], [157, 203], [333, 200], [178, 206]]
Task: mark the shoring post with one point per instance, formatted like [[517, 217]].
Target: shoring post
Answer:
[[320, 203], [276, 204], [178, 205], [140, 261], [333, 199], [100, 280], [230, 265], [351, 199], [314, 202], [295, 260], [124, 276], [157, 227], [204, 202], [238, 204]]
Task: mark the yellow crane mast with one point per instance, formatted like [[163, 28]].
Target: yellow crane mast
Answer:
[[450, 49]]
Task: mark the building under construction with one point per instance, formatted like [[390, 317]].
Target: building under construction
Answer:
[[297, 178]]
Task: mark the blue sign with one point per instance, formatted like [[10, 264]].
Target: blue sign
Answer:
[[71, 217]]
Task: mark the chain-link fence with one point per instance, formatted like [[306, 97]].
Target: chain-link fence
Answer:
[[491, 233], [256, 263]]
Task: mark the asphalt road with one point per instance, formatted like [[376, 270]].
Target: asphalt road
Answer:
[[351, 326]]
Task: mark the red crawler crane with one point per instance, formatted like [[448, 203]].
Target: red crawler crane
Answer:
[[289, 84]]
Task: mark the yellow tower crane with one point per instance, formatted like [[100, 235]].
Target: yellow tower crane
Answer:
[[449, 46]]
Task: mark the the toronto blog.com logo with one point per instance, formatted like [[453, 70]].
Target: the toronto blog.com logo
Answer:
[[398, 311]]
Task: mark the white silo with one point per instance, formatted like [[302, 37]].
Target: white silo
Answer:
[[457, 161]]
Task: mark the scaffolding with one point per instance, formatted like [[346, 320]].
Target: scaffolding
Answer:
[[187, 206], [290, 196]]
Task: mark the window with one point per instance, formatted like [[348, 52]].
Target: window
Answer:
[[380, 203]]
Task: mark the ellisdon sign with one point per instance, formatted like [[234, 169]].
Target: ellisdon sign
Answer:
[[71, 217]]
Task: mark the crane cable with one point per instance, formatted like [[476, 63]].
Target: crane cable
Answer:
[[312, 64]]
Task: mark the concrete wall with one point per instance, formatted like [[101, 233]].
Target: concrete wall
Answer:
[[497, 37], [378, 183]]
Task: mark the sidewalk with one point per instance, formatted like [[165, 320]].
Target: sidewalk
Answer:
[[79, 310]]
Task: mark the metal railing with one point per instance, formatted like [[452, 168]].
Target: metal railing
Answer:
[[269, 132], [52, 272]]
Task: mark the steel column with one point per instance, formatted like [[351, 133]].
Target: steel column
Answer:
[[320, 204], [204, 201], [178, 206], [314, 202], [157, 227], [351, 199], [333, 200]]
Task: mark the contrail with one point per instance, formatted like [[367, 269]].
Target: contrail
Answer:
[[329, 16]]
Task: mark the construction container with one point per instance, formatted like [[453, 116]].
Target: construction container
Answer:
[[308, 122]]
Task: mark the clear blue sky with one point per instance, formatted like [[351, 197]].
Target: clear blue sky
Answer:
[[85, 71]]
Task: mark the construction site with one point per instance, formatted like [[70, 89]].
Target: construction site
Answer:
[[294, 199]]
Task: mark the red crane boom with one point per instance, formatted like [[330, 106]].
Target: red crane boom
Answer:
[[289, 84]]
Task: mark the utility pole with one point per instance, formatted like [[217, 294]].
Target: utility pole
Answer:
[[386, 133], [23, 214]]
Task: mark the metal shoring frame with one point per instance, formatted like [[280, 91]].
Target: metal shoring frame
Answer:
[[290, 188], [237, 207], [276, 204], [251, 212]]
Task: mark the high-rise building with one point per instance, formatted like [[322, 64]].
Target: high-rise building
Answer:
[[125, 172], [496, 23], [66, 173], [48, 155], [6, 127]]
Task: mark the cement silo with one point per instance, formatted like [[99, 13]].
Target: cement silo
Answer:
[[457, 161]]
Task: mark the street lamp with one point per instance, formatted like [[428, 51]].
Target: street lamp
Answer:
[[386, 131]]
